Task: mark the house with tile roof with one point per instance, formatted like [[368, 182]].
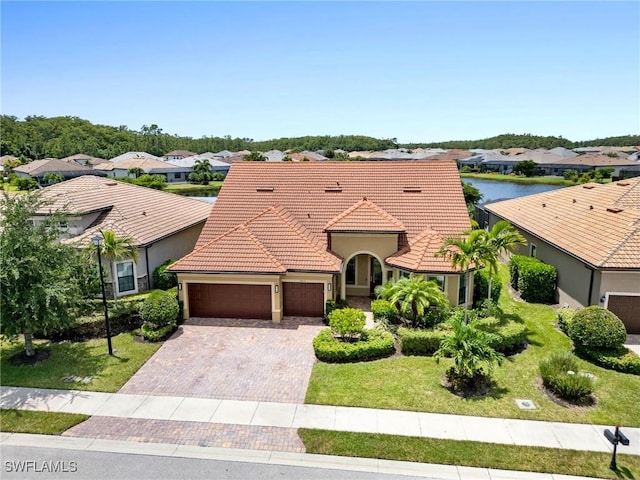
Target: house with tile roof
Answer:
[[177, 155], [172, 173], [37, 169], [163, 225], [285, 237], [591, 234], [85, 160]]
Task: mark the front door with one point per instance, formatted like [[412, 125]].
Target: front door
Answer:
[[375, 275]]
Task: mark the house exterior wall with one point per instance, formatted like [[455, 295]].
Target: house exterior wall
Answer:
[[618, 282]]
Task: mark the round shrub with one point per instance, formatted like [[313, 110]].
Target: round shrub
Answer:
[[162, 279], [160, 309], [372, 344], [347, 323], [560, 375], [385, 311], [597, 328]]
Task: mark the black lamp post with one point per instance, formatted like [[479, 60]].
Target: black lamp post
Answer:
[[97, 241]]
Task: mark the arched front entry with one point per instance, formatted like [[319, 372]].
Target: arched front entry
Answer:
[[361, 274]]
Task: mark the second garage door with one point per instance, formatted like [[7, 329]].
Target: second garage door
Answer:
[[627, 308], [229, 300], [303, 299]]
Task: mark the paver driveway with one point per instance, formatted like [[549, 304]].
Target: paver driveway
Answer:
[[232, 359]]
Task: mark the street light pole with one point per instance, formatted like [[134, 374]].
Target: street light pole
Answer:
[[97, 241]]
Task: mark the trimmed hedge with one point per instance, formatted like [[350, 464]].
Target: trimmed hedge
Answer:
[[162, 279], [332, 305], [597, 328], [620, 360], [150, 333], [372, 344], [565, 316], [481, 287], [420, 342], [507, 336], [160, 309], [560, 375], [535, 280], [94, 327], [347, 323], [385, 311]]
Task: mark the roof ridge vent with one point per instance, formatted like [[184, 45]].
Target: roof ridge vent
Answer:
[[588, 186], [264, 189], [614, 209], [623, 184], [411, 190]]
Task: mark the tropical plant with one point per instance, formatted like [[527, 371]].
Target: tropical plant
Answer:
[[347, 323], [114, 248], [413, 296], [53, 177], [471, 352], [202, 170], [255, 156], [137, 172]]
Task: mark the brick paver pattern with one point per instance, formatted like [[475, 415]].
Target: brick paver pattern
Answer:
[[232, 359], [189, 433]]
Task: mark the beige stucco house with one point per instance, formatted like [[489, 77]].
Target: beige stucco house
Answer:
[[591, 234], [163, 225], [283, 238]]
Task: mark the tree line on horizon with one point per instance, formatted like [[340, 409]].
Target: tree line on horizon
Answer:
[[38, 137]]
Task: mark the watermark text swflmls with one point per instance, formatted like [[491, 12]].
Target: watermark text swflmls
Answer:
[[35, 466]]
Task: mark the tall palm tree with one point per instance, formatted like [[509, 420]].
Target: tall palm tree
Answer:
[[502, 238], [202, 168], [413, 296], [465, 253], [114, 248]]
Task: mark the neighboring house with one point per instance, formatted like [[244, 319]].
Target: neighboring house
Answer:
[[563, 152], [163, 225], [6, 158], [217, 165], [121, 169], [85, 160], [130, 155], [589, 162], [454, 154], [177, 155], [39, 168], [490, 160], [591, 234], [283, 238]]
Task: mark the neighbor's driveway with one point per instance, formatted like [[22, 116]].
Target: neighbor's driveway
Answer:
[[232, 360]]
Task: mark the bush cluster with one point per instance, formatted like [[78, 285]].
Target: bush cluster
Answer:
[[535, 280], [385, 311], [371, 345], [481, 287], [565, 316], [152, 334], [332, 305], [159, 313], [419, 342], [560, 375], [347, 323], [507, 336], [620, 359], [596, 328], [162, 279]]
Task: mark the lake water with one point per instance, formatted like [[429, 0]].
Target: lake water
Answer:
[[493, 190]]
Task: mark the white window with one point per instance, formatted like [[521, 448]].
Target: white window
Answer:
[[125, 277]]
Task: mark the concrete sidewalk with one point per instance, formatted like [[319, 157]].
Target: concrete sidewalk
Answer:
[[290, 415], [338, 465]]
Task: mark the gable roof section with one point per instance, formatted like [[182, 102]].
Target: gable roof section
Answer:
[[41, 167], [364, 216], [419, 255], [145, 214], [599, 224], [271, 242]]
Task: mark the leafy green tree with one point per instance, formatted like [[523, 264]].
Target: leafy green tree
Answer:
[[25, 184], [136, 172], [202, 168], [526, 168], [255, 156], [53, 177], [157, 182], [465, 253], [113, 249], [413, 296], [570, 174], [38, 274], [471, 194]]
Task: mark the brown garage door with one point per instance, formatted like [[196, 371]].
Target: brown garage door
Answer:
[[627, 308], [303, 299], [229, 300]]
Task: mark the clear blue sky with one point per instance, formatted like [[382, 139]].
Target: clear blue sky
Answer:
[[417, 71]]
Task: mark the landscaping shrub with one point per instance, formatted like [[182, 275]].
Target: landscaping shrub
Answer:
[[597, 328], [535, 280], [481, 287], [152, 334], [434, 316], [560, 375], [332, 305], [507, 336], [160, 309], [419, 342], [385, 311], [25, 183], [347, 323], [372, 344], [162, 279], [620, 359], [565, 316]]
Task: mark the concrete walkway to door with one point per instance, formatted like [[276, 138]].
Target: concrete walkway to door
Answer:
[[232, 359]]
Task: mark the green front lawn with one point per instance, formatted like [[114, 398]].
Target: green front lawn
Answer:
[[78, 359], [45, 423], [466, 453], [414, 383], [499, 177], [192, 189]]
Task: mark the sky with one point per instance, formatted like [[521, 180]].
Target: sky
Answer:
[[416, 71]]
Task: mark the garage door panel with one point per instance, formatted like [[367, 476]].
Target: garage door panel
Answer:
[[303, 299], [627, 308], [230, 300]]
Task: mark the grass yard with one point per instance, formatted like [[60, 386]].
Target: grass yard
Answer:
[[466, 453], [45, 423], [414, 383], [78, 359], [192, 189], [499, 177]]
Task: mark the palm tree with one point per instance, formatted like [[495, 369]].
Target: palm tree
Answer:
[[465, 253], [135, 171], [202, 169], [412, 296], [502, 238], [114, 248]]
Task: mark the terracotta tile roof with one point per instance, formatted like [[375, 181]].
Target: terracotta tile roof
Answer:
[[416, 195], [142, 213], [271, 242], [600, 224], [419, 255], [364, 216]]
